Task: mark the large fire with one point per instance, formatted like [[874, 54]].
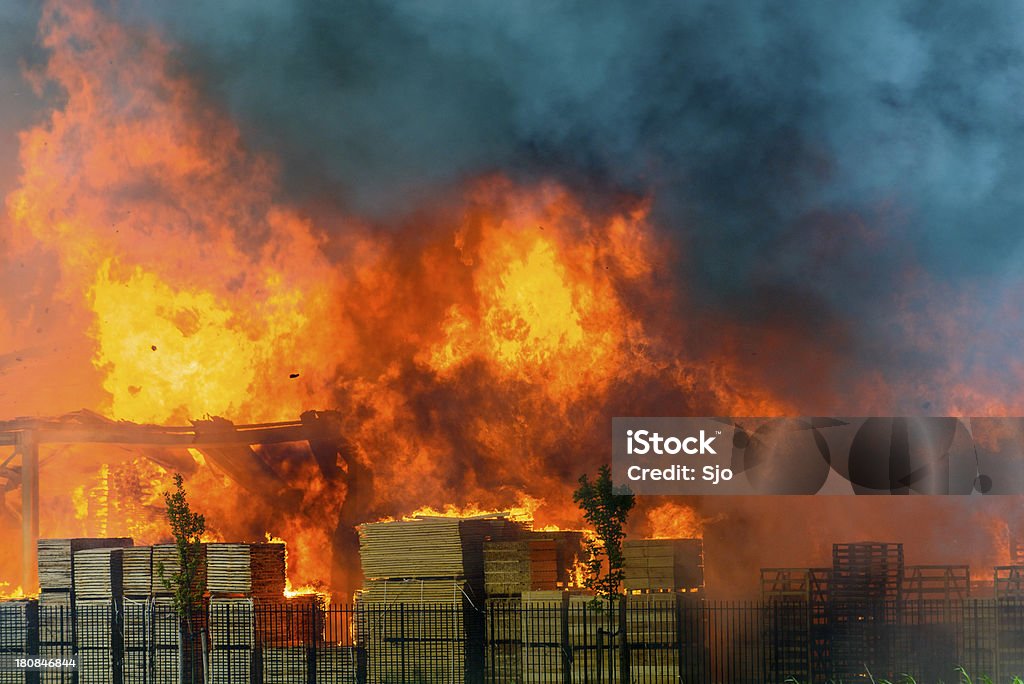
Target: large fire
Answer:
[[475, 351]]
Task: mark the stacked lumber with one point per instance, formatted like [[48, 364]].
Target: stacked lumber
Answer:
[[541, 561], [56, 559], [548, 618], [167, 556], [230, 666], [256, 570], [663, 565], [507, 570], [413, 626], [504, 640], [284, 664], [56, 625], [137, 571], [136, 640], [165, 666], [164, 623], [291, 621], [16, 619], [232, 639], [336, 664], [652, 630], [98, 573], [430, 547], [94, 641], [422, 576]]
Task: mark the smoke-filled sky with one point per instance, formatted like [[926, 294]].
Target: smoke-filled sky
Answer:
[[804, 207], [850, 170]]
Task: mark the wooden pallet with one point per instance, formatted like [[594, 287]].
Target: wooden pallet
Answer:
[[284, 664], [137, 571], [167, 555], [98, 574], [430, 547], [256, 570], [55, 558], [336, 664], [663, 564]]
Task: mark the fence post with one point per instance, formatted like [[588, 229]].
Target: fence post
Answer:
[[401, 637], [566, 644], [623, 641]]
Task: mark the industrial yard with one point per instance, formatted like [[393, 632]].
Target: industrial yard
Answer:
[[489, 599]]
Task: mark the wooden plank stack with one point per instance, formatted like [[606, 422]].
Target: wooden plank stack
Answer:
[[256, 570], [95, 641], [663, 565], [291, 621], [540, 561], [284, 664], [167, 554], [548, 618], [56, 559], [406, 639], [137, 640], [504, 639], [336, 664], [137, 571], [56, 631], [16, 619], [415, 608], [98, 574], [652, 629], [165, 666], [430, 547], [233, 638]]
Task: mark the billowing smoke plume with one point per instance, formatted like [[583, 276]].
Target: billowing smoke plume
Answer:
[[482, 230]]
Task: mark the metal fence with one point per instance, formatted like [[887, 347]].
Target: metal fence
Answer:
[[642, 640]]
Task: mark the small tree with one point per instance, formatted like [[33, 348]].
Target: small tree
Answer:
[[606, 508], [187, 528]]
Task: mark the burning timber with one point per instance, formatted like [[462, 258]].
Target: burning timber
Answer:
[[221, 442]]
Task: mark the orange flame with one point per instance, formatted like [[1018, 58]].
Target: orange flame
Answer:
[[463, 348], [674, 521]]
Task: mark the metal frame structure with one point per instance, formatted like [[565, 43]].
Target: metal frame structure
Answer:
[[228, 444]]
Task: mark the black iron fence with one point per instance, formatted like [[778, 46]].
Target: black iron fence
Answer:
[[650, 639]]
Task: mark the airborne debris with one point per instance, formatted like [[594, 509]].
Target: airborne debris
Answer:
[[153, 347], [293, 375]]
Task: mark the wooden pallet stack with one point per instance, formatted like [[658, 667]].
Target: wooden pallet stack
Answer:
[[540, 561], [95, 645], [291, 621], [653, 565], [137, 571], [17, 619], [653, 630], [56, 631], [336, 664], [164, 624], [416, 609], [166, 556], [57, 599], [137, 585], [233, 639], [241, 569], [557, 622], [137, 639], [284, 664]]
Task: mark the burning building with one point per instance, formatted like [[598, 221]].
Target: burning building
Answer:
[[178, 254]]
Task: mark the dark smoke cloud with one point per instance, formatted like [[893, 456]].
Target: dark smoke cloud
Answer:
[[807, 153]]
